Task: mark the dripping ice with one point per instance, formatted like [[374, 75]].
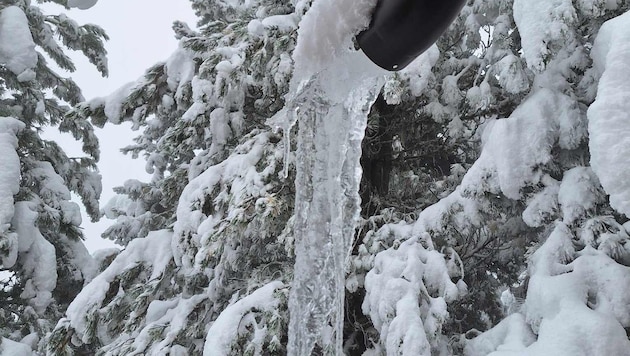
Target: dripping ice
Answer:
[[331, 94]]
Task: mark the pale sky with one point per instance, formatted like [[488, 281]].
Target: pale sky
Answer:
[[140, 35]]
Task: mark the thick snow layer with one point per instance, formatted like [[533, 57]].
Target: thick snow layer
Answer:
[[180, 70], [284, 23], [514, 147], [52, 185], [510, 336], [240, 171], [579, 193], [37, 257], [326, 31], [608, 119], [113, 104], [543, 205], [576, 309], [9, 183], [512, 75], [12, 348], [541, 23], [225, 329], [118, 204], [582, 311], [86, 266], [154, 251], [406, 295], [462, 210], [173, 313], [82, 4], [17, 49]]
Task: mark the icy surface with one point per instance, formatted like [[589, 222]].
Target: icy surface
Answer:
[[226, 327], [17, 49], [331, 94], [608, 120], [327, 205]]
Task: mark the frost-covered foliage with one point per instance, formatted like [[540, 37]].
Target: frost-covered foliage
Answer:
[[495, 196], [575, 295], [43, 261], [217, 189], [531, 191]]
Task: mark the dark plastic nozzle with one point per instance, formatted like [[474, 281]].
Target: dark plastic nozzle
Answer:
[[402, 29]]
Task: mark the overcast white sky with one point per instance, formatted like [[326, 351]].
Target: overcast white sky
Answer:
[[140, 35]]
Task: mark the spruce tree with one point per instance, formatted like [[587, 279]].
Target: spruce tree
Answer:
[[214, 216], [43, 260], [482, 195]]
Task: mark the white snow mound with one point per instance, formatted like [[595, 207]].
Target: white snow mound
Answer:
[[17, 49], [608, 120]]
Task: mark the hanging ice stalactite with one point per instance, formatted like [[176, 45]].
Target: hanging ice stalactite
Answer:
[[332, 90], [332, 109]]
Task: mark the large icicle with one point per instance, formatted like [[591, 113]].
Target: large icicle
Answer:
[[332, 92]]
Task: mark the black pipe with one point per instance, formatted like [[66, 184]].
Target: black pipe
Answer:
[[401, 30]]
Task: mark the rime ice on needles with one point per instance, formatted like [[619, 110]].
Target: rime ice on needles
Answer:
[[332, 91]]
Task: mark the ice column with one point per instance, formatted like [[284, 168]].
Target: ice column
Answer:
[[332, 109]]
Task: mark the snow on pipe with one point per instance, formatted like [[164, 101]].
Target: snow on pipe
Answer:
[[401, 30]]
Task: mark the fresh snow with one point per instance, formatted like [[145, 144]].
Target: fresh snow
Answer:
[[245, 181], [576, 309], [180, 70], [510, 337], [17, 49], [407, 291], [154, 251], [577, 300], [579, 193], [9, 184], [608, 120], [514, 147], [542, 23], [225, 329], [11, 348], [37, 256]]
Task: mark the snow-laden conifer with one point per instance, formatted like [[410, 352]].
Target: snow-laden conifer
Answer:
[[493, 210], [43, 260]]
